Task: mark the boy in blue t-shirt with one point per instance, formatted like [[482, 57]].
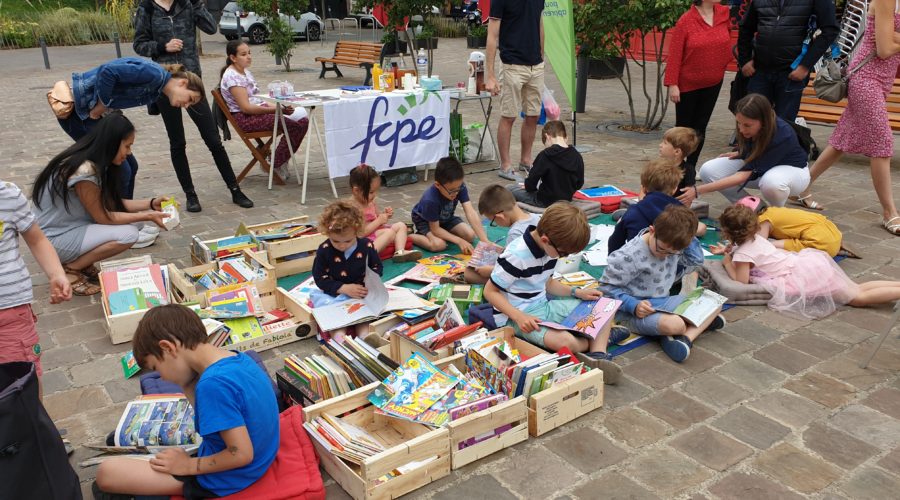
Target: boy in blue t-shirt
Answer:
[[434, 217], [235, 407]]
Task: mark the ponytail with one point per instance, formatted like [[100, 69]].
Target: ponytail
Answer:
[[194, 82], [231, 49], [361, 177]]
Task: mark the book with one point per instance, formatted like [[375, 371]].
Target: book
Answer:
[[598, 253], [159, 420], [448, 316], [476, 406], [484, 254], [129, 364], [343, 439], [242, 329], [697, 306], [412, 388], [601, 191], [149, 280], [130, 300], [378, 300], [589, 318], [170, 206]]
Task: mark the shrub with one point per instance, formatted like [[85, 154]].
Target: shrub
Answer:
[[445, 27], [68, 26]]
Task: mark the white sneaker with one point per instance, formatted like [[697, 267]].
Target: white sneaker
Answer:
[[150, 227], [145, 238], [283, 172]]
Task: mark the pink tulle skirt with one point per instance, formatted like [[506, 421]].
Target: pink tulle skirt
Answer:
[[814, 287]]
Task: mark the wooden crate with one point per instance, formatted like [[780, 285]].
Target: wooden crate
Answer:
[[121, 327], [409, 441], [200, 252], [276, 251], [300, 329], [186, 290]]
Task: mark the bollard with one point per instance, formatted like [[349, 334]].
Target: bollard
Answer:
[[277, 60], [44, 52], [118, 48]]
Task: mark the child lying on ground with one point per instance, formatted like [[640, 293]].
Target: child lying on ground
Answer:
[[793, 229]]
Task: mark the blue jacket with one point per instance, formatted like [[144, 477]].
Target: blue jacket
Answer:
[[785, 149], [639, 217], [123, 83]]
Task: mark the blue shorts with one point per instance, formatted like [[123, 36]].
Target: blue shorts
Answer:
[[423, 227], [554, 311], [649, 325]]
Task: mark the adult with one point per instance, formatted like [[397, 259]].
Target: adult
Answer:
[[124, 83], [769, 157], [774, 51], [79, 206], [699, 51], [864, 128], [165, 31], [512, 27]]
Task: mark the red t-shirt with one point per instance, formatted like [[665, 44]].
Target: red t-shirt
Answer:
[[698, 52]]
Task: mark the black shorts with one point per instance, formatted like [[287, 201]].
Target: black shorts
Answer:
[[423, 227], [193, 490]]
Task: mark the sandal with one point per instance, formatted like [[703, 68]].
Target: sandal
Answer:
[[846, 252], [81, 286], [892, 225], [811, 204], [92, 273]]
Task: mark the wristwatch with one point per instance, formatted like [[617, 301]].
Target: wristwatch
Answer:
[[574, 292]]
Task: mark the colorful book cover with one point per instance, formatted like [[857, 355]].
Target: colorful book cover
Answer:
[[242, 329], [412, 388], [602, 191], [588, 318], [129, 300], [129, 364], [476, 406]]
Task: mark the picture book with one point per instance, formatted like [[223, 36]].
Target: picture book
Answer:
[[378, 300], [589, 318], [163, 420], [417, 315], [412, 388], [148, 280], [448, 316], [476, 406], [439, 413], [343, 439], [601, 191], [170, 207], [242, 329], [697, 306], [129, 364], [123, 301], [302, 291], [598, 253], [485, 254]]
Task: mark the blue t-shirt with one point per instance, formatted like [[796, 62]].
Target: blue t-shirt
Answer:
[[234, 392], [433, 207]]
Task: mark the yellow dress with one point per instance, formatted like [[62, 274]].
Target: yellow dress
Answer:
[[802, 229]]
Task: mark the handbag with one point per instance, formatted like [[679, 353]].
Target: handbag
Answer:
[[831, 82], [61, 99]]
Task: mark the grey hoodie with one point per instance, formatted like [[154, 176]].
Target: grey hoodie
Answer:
[[154, 28]]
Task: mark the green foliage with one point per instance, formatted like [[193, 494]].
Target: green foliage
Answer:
[[426, 32], [478, 31], [281, 37], [66, 26], [23, 9]]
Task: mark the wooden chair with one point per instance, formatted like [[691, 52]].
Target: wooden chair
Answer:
[[254, 141]]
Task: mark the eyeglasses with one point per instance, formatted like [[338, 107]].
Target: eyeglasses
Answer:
[[493, 224], [560, 253], [664, 251], [451, 191]]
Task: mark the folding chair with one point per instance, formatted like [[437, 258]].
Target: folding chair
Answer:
[[259, 150], [887, 331]]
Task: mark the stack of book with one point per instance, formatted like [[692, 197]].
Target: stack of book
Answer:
[[208, 251], [283, 232], [320, 376], [445, 328], [343, 439], [231, 271], [127, 289]]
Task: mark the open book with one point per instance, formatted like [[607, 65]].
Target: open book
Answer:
[[588, 319], [697, 306], [151, 421], [485, 254], [378, 300]]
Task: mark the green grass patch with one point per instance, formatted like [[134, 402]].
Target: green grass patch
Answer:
[[18, 9]]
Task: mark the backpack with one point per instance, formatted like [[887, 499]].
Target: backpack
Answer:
[[804, 137]]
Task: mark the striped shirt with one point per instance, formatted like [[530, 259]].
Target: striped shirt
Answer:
[[522, 273], [15, 218]]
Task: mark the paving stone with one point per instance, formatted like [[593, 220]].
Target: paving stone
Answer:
[[634, 427], [478, 486], [543, 474], [700, 360], [53, 320], [726, 344], [89, 313], [836, 446], [848, 371], [783, 323], [751, 374], [711, 448], [821, 389], [587, 450], [677, 409], [840, 331], [656, 372], [712, 389], [743, 486], [885, 400], [334, 492], [736, 314], [79, 333], [868, 425], [785, 358], [796, 469], [63, 356], [67, 403], [55, 381], [788, 408], [102, 347], [95, 372], [624, 393], [872, 483], [891, 461], [874, 320], [814, 345], [754, 331], [751, 427], [121, 390], [612, 486], [667, 472]]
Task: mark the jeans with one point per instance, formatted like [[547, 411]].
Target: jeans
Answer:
[[775, 185], [202, 116], [78, 128], [694, 111], [783, 92]]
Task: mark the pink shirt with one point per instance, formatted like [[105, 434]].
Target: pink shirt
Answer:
[[231, 78], [765, 257]]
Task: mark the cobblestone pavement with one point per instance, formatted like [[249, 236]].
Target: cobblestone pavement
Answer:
[[770, 407]]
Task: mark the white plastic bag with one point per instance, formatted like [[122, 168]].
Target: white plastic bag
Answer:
[[473, 138], [551, 108]]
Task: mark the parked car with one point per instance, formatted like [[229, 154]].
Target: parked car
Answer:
[[253, 27]]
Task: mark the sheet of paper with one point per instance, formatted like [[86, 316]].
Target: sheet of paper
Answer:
[[377, 297]]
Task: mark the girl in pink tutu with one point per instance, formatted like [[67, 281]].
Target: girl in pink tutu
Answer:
[[807, 283]]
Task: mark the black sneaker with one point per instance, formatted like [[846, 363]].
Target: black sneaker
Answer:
[[238, 198], [618, 333], [717, 324], [193, 203], [678, 347]]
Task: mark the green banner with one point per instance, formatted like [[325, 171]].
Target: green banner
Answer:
[[559, 43]]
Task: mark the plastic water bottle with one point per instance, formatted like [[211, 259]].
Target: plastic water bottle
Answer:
[[422, 64]]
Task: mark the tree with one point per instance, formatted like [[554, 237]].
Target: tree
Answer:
[[281, 35], [400, 10], [606, 28]]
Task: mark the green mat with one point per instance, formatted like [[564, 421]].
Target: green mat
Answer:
[[497, 235]]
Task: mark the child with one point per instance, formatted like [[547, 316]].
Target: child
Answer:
[[807, 283], [342, 259], [659, 181], [641, 273], [434, 217], [18, 336], [235, 407], [557, 173], [522, 280], [364, 184], [678, 144], [498, 204], [793, 230]]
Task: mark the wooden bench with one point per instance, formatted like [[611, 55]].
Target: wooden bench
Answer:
[[347, 53], [819, 111]]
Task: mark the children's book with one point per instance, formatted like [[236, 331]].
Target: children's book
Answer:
[[241, 329], [448, 316], [170, 206], [485, 254], [697, 306], [162, 420], [129, 300], [129, 364], [601, 191], [148, 279], [302, 291], [412, 388], [378, 300], [476, 406], [598, 254], [589, 318]]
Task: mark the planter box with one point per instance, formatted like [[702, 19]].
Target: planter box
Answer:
[[476, 42], [408, 441], [185, 290], [599, 70], [422, 43]]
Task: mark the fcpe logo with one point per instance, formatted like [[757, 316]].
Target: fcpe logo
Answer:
[[394, 132]]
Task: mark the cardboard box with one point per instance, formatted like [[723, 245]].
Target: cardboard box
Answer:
[[185, 290], [408, 441], [278, 252]]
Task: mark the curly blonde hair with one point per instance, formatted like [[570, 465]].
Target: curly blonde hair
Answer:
[[739, 224], [340, 216]]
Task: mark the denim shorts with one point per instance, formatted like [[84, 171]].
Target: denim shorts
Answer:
[[648, 325]]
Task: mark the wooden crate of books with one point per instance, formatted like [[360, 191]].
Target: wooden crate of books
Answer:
[[124, 301], [292, 255], [186, 290], [206, 251], [410, 443], [284, 332]]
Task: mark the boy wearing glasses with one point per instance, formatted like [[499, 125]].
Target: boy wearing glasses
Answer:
[[521, 287], [642, 272], [434, 217]]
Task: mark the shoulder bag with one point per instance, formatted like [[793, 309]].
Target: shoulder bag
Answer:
[[61, 99]]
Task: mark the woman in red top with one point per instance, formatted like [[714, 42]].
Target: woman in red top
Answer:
[[698, 54]]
